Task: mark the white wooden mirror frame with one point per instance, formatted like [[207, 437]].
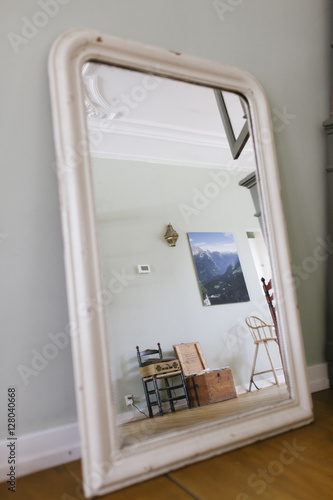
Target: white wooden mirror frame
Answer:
[[106, 465]]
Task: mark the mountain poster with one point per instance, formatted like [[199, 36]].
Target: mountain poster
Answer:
[[218, 269]]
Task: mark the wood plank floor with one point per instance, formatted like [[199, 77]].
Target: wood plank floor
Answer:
[[144, 429], [297, 465]]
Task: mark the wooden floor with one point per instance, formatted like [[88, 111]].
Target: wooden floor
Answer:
[[297, 465], [256, 400]]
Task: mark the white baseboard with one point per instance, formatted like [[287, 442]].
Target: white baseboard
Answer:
[[261, 383], [60, 445], [318, 377], [41, 450]]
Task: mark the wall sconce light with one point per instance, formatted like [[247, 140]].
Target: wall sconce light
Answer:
[[171, 236]]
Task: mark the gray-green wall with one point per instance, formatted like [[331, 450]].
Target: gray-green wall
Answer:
[[134, 203], [284, 44]]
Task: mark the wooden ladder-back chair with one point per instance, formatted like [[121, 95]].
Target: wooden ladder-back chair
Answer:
[[268, 290], [262, 333], [154, 370]]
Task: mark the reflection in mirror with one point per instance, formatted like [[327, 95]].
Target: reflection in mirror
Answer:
[[160, 154], [233, 114]]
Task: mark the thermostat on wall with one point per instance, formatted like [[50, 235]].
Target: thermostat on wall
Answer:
[[143, 268]]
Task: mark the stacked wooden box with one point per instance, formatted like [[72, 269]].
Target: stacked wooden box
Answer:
[[204, 386]]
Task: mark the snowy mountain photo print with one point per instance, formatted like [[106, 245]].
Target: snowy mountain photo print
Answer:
[[219, 272]]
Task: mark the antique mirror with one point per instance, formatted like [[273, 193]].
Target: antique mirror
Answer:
[[145, 138]]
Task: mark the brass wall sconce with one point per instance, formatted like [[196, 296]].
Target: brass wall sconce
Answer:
[[171, 236]]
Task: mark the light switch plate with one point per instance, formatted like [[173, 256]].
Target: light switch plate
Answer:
[[143, 268]]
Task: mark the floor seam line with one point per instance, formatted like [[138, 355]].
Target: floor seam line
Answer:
[[184, 488]]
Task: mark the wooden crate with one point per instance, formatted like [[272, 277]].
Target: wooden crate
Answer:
[[191, 358], [210, 387], [204, 386]]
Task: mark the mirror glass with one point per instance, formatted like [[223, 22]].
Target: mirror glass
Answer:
[[160, 154]]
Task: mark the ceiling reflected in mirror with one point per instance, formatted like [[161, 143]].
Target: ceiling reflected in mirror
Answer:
[[167, 121]]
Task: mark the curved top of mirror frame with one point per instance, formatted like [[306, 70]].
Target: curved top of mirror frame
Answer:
[[89, 340]]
